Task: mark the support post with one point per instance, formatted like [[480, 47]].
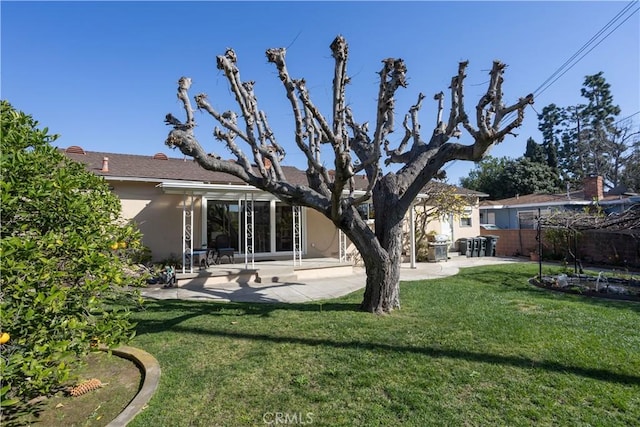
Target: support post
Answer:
[[342, 246], [575, 252], [539, 238], [412, 235], [297, 235], [187, 237], [248, 232]]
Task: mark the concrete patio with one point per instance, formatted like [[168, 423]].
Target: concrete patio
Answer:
[[279, 281]]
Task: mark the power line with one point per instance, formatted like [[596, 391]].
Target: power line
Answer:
[[628, 117], [561, 71], [568, 63], [541, 89], [585, 46]]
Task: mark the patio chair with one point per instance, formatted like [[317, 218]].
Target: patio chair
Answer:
[[209, 258], [223, 248]]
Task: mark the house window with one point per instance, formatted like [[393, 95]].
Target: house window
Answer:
[[367, 212], [272, 224], [465, 218], [528, 220], [487, 217]]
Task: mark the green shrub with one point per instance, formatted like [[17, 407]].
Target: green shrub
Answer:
[[66, 258]]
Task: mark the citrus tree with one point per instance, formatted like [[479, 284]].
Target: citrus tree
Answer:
[[65, 257]]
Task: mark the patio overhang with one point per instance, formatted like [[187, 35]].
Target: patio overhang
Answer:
[[192, 188], [201, 188]]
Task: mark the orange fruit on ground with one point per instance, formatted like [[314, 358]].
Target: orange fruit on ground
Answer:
[[4, 338], [114, 246]]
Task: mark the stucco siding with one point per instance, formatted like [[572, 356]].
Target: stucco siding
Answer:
[[159, 217], [322, 236]]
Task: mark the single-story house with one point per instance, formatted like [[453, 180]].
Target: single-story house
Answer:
[[181, 207], [516, 223], [519, 212]]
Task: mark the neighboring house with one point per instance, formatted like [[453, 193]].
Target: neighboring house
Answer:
[[516, 223], [457, 226], [519, 212], [181, 207]]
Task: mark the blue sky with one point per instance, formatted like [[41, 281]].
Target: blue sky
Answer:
[[103, 74]]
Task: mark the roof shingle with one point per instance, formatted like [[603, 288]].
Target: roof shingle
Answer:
[[160, 167], [157, 168]]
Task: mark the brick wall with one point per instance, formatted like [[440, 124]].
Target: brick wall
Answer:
[[600, 247], [595, 247], [513, 242]]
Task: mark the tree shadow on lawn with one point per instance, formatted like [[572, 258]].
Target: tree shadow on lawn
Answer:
[[432, 352], [185, 310]]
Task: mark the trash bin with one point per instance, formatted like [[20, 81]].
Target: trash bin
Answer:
[[492, 242], [475, 248], [465, 246], [482, 245]]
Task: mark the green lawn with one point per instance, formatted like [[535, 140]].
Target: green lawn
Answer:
[[482, 348]]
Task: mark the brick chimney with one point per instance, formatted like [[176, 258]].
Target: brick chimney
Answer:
[[593, 188], [105, 164]]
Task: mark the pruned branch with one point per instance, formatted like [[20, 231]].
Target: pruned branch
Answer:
[[183, 88], [458, 114], [412, 132], [361, 145], [304, 128], [247, 102], [340, 51], [627, 222], [392, 76], [497, 110]]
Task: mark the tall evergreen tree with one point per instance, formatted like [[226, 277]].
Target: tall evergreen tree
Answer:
[[573, 149], [535, 152], [600, 112], [583, 139], [598, 132], [550, 122], [629, 176]]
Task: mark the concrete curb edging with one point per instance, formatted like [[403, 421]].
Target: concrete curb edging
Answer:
[[150, 369]]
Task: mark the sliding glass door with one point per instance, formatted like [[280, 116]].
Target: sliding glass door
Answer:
[[284, 228], [272, 224], [223, 218]]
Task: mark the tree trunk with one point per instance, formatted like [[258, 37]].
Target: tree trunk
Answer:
[[382, 291]]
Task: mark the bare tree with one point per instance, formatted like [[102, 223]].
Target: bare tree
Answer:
[[356, 149]]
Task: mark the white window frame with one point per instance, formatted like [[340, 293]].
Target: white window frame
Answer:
[[534, 214], [467, 215]]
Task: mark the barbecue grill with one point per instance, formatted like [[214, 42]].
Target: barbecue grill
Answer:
[[438, 248]]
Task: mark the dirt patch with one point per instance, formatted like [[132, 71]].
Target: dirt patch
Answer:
[[121, 380]]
